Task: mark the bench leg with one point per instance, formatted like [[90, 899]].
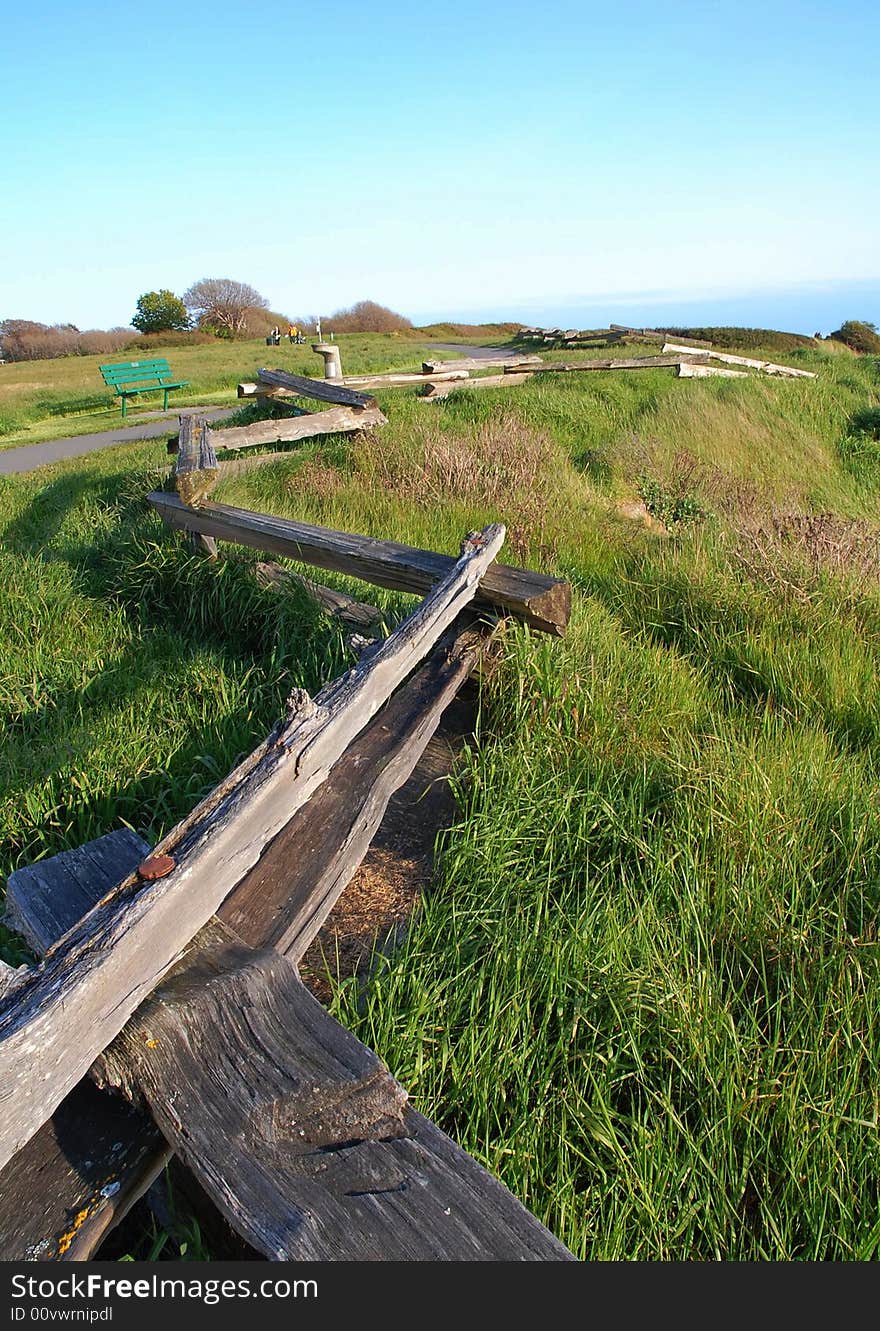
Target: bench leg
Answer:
[[124, 400]]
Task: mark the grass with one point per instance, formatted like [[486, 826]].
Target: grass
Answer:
[[42, 400], [644, 988]]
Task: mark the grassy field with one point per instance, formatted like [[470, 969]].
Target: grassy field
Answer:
[[53, 399], [644, 990]]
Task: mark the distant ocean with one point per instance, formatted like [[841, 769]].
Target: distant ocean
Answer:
[[811, 308]]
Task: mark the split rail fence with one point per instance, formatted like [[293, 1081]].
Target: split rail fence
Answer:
[[166, 1015]]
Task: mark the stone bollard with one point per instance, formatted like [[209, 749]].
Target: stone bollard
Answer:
[[332, 363]]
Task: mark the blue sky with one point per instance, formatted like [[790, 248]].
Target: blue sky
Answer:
[[570, 162]]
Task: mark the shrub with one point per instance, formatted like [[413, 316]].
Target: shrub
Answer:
[[223, 305], [24, 339], [257, 322], [670, 509], [858, 336], [160, 312], [188, 337], [671, 496], [364, 317]]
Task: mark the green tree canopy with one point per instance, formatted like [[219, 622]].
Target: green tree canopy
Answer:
[[223, 304], [160, 312], [858, 334]]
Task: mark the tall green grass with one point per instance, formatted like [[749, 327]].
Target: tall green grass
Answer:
[[643, 988]]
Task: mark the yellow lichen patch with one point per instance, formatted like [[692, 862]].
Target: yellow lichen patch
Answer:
[[78, 1221]]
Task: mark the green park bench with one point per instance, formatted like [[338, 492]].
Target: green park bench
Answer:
[[141, 376]]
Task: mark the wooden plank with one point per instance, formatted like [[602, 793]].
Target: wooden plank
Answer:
[[767, 366], [653, 335], [402, 380], [97, 1155], [325, 390], [195, 474], [687, 370], [10, 978], [539, 600], [334, 603], [49, 897], [288, 894], [195, 467], [595, 339], [435, 392], [631, 363], [297, 1131], [77, 1177], [338, 420], [91, 1161], [284, 395], [71, 1006], [650, 334], [434, 367], [306, 1090]]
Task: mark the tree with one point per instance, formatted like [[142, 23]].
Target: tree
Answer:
[[859, 335], [367, 317], [218, 302], [160, 312]]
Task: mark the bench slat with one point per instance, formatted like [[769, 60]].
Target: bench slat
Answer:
[[126, 366], [145, 376]]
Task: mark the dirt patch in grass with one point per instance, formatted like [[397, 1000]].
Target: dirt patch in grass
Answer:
[[383, 896]]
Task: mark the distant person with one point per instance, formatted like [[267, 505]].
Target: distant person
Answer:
[[292, 333]]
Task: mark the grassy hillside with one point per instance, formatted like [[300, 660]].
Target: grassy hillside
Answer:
[[644, 990]]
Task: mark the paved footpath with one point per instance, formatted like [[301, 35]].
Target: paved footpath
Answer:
[[14, 460]]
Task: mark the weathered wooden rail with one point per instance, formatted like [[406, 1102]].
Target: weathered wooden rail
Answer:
[[765, 366], [171, 974], [542, 601]]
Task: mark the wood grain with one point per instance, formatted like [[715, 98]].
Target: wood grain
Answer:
[[338, 420], [90, 1162], [687, 370], [401, 380], [82, 1171], [195, 467], [324, 390], [46, 899], [297, 1131], [623, 363], [286, 897], [541, 601], [71, 1006], [767, 366], [435, 391], [434, 367]]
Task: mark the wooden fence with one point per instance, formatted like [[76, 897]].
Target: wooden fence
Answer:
[[169, 974]]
